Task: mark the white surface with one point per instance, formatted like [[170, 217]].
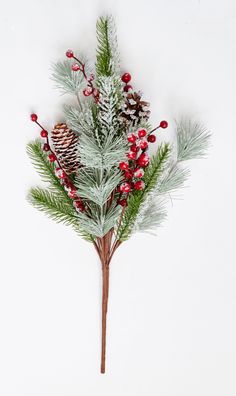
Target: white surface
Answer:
[[172, 308]]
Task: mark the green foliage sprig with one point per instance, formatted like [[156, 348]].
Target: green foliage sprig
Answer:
[[107, 63], [46, 170]]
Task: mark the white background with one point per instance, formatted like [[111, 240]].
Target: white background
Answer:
[[172, 308]]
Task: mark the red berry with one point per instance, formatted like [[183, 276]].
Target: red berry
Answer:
[[87, 91], [134, 148], [143, 160], [75, 67], [46, 147], [78, 204], [128, 88], [60, 173], [131, 138], [96, 99], [138, 172], [143, 145], [72, 193], [131, 155], [126, 78], [52, 157], [68, 185], [151, 138], [124, 166], [142, 133], [139, 185], [163, 124], [128, 174], [43, 133], [96, 93], [69, 53], [125, 187], [122, 202], [34, 117]]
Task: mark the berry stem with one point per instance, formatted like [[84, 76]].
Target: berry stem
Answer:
[[90, 90], [153, 130], [82, 65], [48, 142], [90, 84]]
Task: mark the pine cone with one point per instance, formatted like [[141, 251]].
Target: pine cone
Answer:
[[135, 110], [65, 143]]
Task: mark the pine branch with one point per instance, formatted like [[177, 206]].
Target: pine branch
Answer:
[[56, 209], [152, 216], [102, 157], [102, 145], [46, 169], [193, 140], [66, 80], [110, 103], [107, 56], [173, 179], [52, 205], [152, 212], [100, 220], [96, 185], [137, 198], [73, 116]]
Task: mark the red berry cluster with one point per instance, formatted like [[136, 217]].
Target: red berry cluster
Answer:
[[80, 66], [138, 159], [126, 78], [133, 168], [59, 172]]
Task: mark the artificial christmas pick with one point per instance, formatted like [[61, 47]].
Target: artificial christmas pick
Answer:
[[102, 180]]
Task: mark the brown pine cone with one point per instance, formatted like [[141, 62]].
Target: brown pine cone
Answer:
[[65, 143], [135, 110]]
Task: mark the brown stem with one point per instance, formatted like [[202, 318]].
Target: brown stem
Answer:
[[115, 246], [97, 249], [90, 84], [154, 129], [105, 291], [105, 253]]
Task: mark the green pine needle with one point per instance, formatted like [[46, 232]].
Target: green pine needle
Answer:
[[193, 140], [55, 208], [103, 65], [107, 56], [66, 80], [45, 169], [52, 205]]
